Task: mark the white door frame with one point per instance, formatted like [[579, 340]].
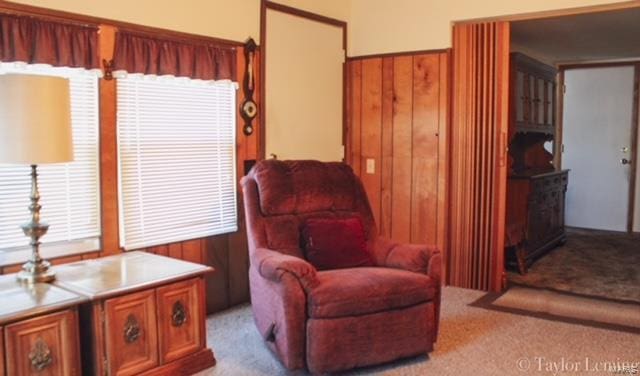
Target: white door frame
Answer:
[[633, 181]]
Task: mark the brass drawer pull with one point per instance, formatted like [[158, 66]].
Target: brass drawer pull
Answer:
[[131, 329], [40, 355], [179, 314]]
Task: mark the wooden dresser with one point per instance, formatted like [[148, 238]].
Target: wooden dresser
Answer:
[[535, 187], [38, 329], [145, 315]]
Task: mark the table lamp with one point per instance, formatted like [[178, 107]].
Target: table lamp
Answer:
[[35, 128]]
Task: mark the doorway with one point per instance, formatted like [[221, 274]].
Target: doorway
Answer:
[[601, 33], [599, 146], [596, 140]]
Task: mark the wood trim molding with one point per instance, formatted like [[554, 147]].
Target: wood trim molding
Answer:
[[552, 13], [497, 278], [262, 80], [108, 151], [444, 160], [557, 143], [396, 54], [304, 14], [59, 15], [633, 178], [605, 64]]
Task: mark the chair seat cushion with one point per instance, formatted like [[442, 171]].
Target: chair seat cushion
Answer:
[[359, 291]]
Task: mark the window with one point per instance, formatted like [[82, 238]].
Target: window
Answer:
[[70, 192], [176, 140]]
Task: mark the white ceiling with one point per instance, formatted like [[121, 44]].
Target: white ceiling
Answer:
[[610, 35]]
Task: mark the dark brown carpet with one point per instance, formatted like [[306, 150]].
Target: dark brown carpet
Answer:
[[592, 263]]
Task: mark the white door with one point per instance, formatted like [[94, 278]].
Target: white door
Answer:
[[597, 116], [304, 88]]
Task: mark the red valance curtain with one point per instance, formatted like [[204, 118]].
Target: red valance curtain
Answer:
[[37, 41], [136, 53]]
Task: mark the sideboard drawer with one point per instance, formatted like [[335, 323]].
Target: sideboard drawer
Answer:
[[180, 319], [131, 337], [46, 345], [1, 352]]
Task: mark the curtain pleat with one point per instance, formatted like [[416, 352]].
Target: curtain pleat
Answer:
[[136, 53], [35, 41]]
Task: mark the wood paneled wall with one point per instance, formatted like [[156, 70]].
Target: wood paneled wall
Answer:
[[397, 117], [479, 155], [228, 254]]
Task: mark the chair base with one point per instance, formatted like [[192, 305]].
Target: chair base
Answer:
[[338, 344]]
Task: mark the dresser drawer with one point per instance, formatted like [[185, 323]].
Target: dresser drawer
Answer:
[[130, 333], [46, 345], [180, 319]]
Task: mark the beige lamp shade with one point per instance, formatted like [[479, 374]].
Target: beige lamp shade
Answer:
[[35, 119]]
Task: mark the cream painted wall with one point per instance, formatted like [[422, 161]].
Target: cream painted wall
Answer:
[[381, 26], [300, 127], [375, 26], [338, 9], [228, 19]]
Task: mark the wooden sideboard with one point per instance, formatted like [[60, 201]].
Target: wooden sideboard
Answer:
[[145, 315], [536, 206], [38, 329], [535, 188]]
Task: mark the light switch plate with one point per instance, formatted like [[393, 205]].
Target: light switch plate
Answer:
[[371, 166]]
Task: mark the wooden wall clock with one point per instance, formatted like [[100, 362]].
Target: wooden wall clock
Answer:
[[249, 108]]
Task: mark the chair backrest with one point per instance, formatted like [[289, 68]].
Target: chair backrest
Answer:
[[279, 196]]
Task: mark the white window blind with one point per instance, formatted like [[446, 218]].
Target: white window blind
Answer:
[[176, 140], [69, 192]]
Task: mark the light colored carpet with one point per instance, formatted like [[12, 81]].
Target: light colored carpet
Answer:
[[472, 341], [592, 263], [571, 306]]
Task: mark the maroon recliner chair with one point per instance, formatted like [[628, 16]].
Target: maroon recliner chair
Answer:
[[338, 319]]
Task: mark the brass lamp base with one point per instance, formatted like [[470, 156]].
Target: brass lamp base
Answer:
[[36, 269], [36, 272]]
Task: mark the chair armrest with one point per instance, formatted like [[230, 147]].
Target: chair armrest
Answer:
[[272, 265], [418, 258]]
